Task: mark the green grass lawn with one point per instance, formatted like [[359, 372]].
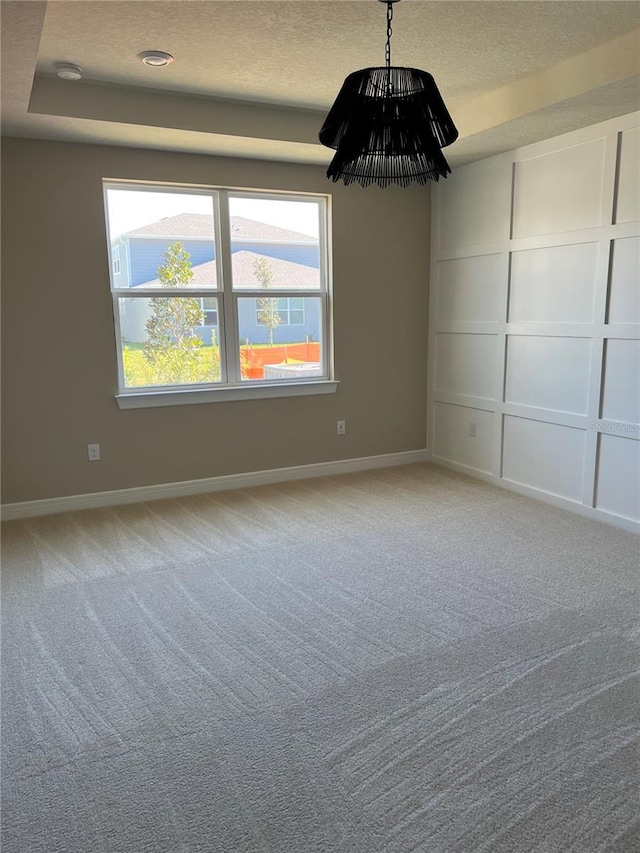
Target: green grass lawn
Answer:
[[202, 364], [177, 367]]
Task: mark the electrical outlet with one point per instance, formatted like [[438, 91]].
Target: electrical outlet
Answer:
[[341, 427], [93, 451], [472, 430]]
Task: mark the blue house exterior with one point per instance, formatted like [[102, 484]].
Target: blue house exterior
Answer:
[[138, 255], [145, 255], [289, 331]]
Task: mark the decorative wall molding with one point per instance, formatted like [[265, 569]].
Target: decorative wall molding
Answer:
[[69, 503], [536, 494], [534, 321]]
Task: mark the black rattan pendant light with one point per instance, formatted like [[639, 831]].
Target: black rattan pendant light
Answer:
[[388, 125]]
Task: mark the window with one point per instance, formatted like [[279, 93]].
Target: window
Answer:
[[290, 310], [210, 309], [225, 294]]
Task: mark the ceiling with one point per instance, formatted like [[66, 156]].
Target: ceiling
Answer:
[[255, 78]]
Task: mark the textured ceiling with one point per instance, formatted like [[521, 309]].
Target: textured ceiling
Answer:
[[298, 52], [491, 61]]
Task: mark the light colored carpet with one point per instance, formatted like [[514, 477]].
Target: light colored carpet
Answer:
[[394, 661]]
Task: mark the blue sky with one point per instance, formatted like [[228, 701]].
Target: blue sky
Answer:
[[129, 210]]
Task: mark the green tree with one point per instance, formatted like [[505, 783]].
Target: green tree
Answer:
[[173, 349], [267, 305]]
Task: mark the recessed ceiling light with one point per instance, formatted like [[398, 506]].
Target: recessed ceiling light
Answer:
[[155, 58], [68, 71]]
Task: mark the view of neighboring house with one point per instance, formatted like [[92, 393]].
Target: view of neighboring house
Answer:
[[293, 260]]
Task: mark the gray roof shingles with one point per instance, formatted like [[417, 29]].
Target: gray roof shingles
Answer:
[[287, 275], [186, 225]]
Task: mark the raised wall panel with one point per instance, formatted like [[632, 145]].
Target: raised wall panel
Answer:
[[560, 191], [465, 364], [628, 204], [624, 297], [544, 456], [554, 284], [471, 289], [557, 284], [548, 373], [476, 207], [618, 489], [621, 387], [451, 439]]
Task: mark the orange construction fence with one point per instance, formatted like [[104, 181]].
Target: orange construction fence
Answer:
[[253, 359]]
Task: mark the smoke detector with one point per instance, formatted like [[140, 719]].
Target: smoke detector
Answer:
[[68, 71], [155, 58]]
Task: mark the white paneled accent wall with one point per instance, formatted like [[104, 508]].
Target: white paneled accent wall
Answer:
[[534, 326]]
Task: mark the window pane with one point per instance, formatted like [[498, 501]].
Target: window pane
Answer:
[[166, 341], [210, 308], [163, 239], [274, 243], [273, 349]]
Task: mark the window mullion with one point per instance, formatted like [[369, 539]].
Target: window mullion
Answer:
[[229, 310], [277, 293], [169, 292], [118, 332], [326, 284]]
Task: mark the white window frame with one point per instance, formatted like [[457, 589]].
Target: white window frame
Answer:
[[231, 385], [116, 260]]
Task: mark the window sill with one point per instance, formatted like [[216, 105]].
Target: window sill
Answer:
[[151, 399]]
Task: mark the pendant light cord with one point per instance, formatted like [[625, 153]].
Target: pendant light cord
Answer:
[[387, 49], [387, 52]]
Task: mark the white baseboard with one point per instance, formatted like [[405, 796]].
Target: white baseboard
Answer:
[[627, 524], [49, 506]]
